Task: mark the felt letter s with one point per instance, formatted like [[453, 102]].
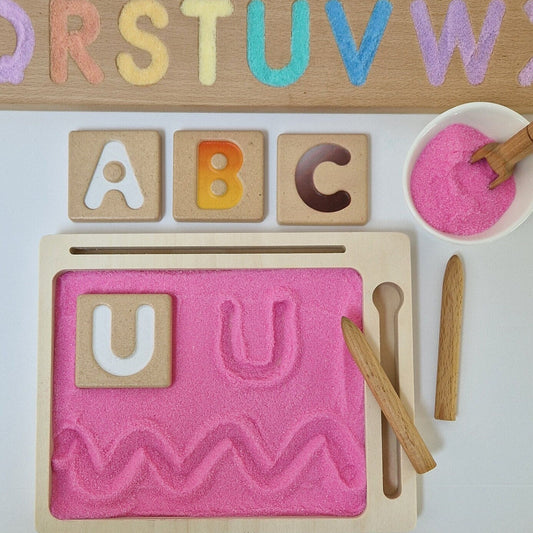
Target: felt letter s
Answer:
[[62, 41], [12, 67], [127, 24]]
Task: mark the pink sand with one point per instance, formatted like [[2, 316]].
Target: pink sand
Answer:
[[265, 415], [449, 192]]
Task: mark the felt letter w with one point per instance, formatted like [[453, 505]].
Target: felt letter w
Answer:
[[358, 62], [457, 32]]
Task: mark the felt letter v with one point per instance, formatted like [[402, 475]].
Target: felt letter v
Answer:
[[358, 62]]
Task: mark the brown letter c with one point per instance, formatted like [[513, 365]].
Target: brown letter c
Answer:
[[305, 185]]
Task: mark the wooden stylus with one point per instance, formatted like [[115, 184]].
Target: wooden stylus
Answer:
[[451, 320], [388, 400]]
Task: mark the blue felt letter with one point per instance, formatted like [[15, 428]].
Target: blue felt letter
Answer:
[[294, 70], [358, 62]]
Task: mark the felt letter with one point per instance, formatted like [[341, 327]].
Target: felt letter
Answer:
[[207, 12], [63, 41], [127, 24], [296, 67], [208, 174], [358, 62], [127, 184], [525, 78], [325, 203], [12, 67], [457, 32], [144, 344]]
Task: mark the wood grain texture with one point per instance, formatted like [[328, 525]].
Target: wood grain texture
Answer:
[[378, 257], [396, 81], [451, 320], [388, 400]]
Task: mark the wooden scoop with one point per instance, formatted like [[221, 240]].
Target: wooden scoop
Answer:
[[502, 157]]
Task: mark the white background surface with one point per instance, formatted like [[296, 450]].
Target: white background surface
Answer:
[[484, 478]]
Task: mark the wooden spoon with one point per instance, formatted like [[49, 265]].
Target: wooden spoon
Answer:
[[388, 400], [502, 157]]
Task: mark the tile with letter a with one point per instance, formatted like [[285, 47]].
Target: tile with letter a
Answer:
[[114, 176], [124, 341], [322, 179]]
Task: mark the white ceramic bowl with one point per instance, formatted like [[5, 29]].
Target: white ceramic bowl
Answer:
[[500, 123]]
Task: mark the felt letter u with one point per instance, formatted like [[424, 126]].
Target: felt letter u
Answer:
[[296, 67]]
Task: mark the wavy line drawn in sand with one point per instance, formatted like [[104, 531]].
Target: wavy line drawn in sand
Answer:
[[281, 340], [145, 451]]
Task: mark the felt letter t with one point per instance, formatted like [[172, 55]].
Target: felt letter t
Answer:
[[207, 12]]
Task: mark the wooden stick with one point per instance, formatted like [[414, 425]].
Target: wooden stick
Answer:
[[451, 318], [388, 400]]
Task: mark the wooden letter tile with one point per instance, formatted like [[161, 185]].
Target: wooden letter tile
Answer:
[[124, 340], [219, 176], [114, 176], [322, 179]]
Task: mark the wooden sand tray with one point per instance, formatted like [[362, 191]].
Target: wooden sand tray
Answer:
[[381, 259], [397, 55]]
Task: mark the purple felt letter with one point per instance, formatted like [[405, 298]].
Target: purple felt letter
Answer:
[[12, 67], [525, 78], [457, 32]]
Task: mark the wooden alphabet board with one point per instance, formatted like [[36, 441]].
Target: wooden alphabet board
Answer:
[[317, 55], [125, 443]]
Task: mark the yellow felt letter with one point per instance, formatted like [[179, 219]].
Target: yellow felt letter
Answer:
[[127, 25], [207, 12]]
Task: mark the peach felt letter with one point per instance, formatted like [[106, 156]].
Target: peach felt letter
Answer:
[[127, 24], [207, 12], [63, 41], [224, 169]]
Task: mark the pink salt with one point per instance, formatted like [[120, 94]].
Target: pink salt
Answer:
[[265, 414], [449, 192]]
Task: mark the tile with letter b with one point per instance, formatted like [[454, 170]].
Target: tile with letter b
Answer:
[[124, 341], [322, 179], [114, 176], [219, 176]]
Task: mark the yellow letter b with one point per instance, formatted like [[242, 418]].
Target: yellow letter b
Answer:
[[218, 185]]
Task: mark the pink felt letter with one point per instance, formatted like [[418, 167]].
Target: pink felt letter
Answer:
[[457, 32], [63, 41]]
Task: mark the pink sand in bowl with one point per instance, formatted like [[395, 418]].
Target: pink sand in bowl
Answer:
[[449, 192], [264, 416]]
